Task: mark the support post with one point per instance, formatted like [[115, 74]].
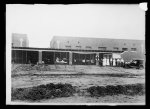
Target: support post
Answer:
[[40, 56], [97, 59], [70, 58]]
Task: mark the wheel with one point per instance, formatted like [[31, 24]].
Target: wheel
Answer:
[[141, 67], [127, 66]]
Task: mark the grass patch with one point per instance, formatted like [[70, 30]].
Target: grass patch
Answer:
[[43, 92], [130, 89]]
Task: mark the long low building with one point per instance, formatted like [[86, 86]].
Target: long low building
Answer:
[[25, 55], [80, 51]]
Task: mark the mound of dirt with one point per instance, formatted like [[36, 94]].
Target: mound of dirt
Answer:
[[130, 89], [43, 92]]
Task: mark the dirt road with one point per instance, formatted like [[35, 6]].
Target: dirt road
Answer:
[[82, 78]]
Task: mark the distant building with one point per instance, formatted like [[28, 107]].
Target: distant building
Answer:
[[135, 48], [20, 40], [80, 51]]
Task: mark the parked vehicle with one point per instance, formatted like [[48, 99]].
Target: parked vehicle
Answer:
[[135, 63], [61, 61]]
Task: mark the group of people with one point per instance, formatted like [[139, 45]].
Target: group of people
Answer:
[[119, 62]]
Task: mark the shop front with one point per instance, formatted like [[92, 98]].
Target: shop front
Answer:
[[84, 58]]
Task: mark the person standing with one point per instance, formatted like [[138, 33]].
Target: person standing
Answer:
[[104, 61], [118, 62], [107, 61], [114, 62], [122, 62], [111, 61], [101, 62]]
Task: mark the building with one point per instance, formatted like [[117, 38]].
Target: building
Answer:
[[132, 48], [20, 40], [25, 55], [80, 51]]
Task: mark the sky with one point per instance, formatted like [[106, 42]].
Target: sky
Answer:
[[42, 22]]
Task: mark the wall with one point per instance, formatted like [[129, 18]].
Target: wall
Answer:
[[94, 43], [16, 40]]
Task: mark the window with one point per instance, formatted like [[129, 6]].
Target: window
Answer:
[[133, 44], [88, 47], [78, 46], [68, 46], [133, 49], [124, 49], [102, 48], [116, 48]]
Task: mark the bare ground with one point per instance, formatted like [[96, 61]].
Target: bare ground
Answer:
[[83, 77]]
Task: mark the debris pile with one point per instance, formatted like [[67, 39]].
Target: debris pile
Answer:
[[130, 89], [43, 92]]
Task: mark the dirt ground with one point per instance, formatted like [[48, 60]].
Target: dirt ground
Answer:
[[85, 100], [106, 99], [83, 77]]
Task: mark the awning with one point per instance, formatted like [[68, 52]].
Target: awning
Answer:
[[84, 52]]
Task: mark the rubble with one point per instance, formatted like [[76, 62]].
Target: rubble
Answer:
[[43, 92], [129, 89]]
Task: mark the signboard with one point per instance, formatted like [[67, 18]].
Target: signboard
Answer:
[[116, 55]]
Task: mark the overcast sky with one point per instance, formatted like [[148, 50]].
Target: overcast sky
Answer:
[[42, 22]]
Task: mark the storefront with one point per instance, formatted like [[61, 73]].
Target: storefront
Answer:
[[84, 59], [63, 56], [24, 57]]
